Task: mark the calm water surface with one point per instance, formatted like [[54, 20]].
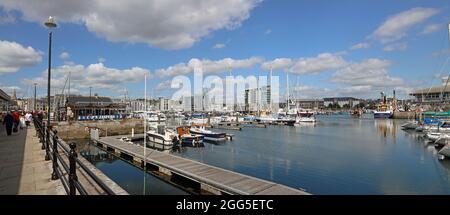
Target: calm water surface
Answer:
[[339, 155]]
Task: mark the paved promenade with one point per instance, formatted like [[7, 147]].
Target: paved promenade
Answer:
[[23, 169]]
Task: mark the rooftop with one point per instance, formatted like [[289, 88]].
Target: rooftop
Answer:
[[339, 99], [89, 99], [4, 96], [431, 90]]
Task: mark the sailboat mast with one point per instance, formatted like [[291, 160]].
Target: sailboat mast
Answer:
[[145, 130], [70, 73], [287, 86]]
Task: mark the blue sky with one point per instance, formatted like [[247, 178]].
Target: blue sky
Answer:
[[109, 46]]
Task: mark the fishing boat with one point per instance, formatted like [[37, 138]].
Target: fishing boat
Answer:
[[384, 110], [188, 139], [208, 135], [162, 138]]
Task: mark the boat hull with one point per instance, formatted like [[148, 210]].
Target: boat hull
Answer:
[[159, 142], [194, 141], [209, 135], [382, 115]]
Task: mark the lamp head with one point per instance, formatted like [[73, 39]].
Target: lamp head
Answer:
[[50, 23]]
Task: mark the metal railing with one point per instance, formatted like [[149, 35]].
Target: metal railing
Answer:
[[66, 172]]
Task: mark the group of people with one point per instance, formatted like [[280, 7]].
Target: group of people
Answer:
[[15, 120]]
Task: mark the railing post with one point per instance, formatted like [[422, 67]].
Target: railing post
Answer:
[[72, 169], [47, 143], [55, 158], [43, 135]]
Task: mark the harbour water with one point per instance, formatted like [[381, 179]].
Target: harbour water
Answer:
[[338, 155]]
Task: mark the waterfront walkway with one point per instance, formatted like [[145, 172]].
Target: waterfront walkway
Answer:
[[23, 169]]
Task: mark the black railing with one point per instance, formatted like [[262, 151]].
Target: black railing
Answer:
[[67, 173]]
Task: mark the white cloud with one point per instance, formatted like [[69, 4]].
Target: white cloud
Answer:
[[219, 46], [94, 75], [208, 66], [168, 24], [360, 46], [101, 60], [277, 64], [322, 63], [14, 56], [431, 28], [395, 47], [164, 85], [370, 72], [441, 52], [268, 31], [64, 56], [395, 27]]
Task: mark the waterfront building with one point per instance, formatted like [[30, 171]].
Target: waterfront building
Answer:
[[5, 101], [433, 95], [89, 106], [169, 105], [139, 105], [314, 104], [258, 99], [343, 102]]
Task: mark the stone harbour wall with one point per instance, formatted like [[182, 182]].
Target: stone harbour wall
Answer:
[[80, 129]]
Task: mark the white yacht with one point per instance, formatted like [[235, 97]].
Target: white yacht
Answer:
[[161, 138]]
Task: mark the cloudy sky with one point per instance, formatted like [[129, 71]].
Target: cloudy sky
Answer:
[[328, 48]]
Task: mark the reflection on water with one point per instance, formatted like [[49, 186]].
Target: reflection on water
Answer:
[[386, 127], [125, 175], [337, 155]]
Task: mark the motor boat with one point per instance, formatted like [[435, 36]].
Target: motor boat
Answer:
[[207, 134], [442, 140], [305, 117], [266, 119], [444, 152], [161, 138], [433, 136], [443, 127], [411, 125], [188, 139]]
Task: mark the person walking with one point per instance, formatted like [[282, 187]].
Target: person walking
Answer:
[[28, 118], [16, 118], [8, 121]]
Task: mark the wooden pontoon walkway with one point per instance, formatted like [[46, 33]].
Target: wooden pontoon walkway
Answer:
[[215, 179]]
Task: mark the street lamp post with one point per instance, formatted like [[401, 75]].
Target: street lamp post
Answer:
[[50, 23], [90, 100]]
